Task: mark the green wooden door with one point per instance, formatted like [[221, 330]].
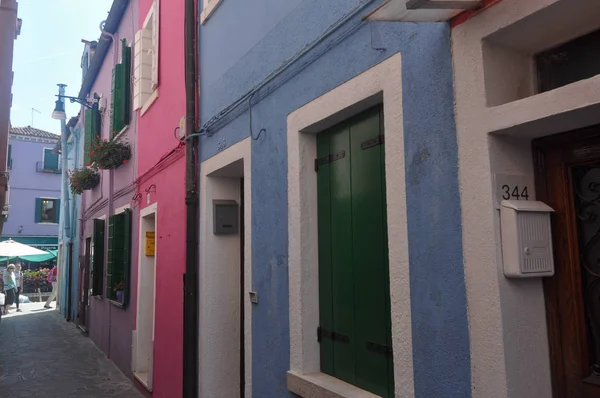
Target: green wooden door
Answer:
[[355, 322]]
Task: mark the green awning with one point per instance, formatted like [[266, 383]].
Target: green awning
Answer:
[[39, 242], [39, 258], [46, 243]]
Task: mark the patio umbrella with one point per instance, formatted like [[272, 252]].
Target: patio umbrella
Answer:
[[10, 248]]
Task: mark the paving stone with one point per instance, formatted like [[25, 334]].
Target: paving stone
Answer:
[[42, 355]]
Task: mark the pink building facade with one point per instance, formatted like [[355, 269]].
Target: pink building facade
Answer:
[[106, 311], [159, 98]]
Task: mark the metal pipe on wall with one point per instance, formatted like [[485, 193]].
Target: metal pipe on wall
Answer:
[[190, 300]]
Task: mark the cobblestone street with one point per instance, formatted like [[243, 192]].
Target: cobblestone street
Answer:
[[42, 355]]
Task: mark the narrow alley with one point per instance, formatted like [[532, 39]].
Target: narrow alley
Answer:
[[42, 355]]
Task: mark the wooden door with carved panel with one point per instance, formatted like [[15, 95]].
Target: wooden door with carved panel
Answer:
[[568, 180]]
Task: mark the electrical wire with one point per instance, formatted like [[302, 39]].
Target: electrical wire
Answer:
[[242, 100]]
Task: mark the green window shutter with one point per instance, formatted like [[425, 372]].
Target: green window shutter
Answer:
[[121, 91], [87, 139], [126, 61], [119, 254], [92, 132], [325, 276], [98, 259], [9, 157], [127, 218], [354, 299], [111, 256], [50, 160], [38, 210], [370, 258], [57, 210]]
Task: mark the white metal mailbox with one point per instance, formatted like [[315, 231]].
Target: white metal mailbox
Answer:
[[526, 239]]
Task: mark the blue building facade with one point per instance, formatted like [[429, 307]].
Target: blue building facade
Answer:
[[284, 66], [69, 236]]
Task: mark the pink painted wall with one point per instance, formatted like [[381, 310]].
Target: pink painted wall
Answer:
[[156, 140], [110, 326]]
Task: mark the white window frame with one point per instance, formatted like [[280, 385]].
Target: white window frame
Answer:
[[382, 82], [147, 40], [208, 7]]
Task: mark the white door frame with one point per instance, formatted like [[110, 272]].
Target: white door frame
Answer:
[[145, 381]]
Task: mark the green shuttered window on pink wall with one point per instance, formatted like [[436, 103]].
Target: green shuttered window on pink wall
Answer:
[[119, 258], [121, 92]]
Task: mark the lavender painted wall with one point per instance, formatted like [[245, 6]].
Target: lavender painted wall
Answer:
[[111, 326], [26, 184]]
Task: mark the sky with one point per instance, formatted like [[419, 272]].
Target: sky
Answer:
[[48, 52]]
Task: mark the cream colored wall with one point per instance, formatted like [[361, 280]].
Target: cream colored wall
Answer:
[[497, 116], [219, 286]]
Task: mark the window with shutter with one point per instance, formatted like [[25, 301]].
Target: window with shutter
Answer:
[[97, 253], [50, 162], [92, 132], [354, 298], [146, 60], [119, 254], [121, 92], [47, 210]]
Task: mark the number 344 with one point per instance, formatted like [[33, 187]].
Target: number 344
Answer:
[[514, 193]]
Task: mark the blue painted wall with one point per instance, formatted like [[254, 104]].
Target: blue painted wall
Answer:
[[75, 160], [236, 54]]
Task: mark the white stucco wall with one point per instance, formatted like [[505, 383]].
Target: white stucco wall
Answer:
[[219, 279], [497, 116]]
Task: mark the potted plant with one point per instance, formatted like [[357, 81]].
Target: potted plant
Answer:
[[109, 154], [119, 287], [83, 179]]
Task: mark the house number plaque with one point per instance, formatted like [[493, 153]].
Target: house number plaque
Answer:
[[513, 187]]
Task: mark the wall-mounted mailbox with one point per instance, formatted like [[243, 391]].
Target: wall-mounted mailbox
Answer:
[[150, 243], [526, 239], [225, 217]]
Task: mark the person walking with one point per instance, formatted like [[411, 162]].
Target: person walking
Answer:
[[9, 286], [52, 280], [19, 284]]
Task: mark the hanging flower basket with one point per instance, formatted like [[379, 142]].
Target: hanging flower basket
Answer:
[[83, 179], [108, 155]]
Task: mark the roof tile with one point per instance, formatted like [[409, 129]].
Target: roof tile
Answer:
[[33, 132]]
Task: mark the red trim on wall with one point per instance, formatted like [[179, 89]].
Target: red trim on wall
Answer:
[[466, 15]]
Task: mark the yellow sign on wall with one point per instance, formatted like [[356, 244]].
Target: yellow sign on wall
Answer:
[[150, 243]]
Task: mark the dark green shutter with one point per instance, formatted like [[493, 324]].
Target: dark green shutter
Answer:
[[121, 92], [111, 256], [126, 61], [87, 140], [92, 132], [9, 158], [354, 303], [127, 218], [50, 160], [371, 273], [57, 210], [98, 259], [38, 210], [325, 277], [119, 253]]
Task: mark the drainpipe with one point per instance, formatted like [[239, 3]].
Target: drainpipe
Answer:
[[190, 279], [74, 204]]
